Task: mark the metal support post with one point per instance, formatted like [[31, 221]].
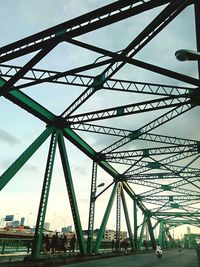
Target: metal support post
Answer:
[[105, 218], [151, 233], [197, 25], [160, 236], [44, 197], [141, 234], [92, 209], [71, 194], [127, 219], [135, 224], [118, 217]]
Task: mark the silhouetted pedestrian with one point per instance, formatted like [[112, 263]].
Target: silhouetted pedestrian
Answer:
[[72, 244]]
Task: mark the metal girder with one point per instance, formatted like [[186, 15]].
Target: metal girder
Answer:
[[118, 216], [185, 205], [135, 224], [62, 77], [151, 233], [142, 39], [30, 105], [92, 208], [162, 164], [81, 144], [152, 151], [172, 222], [133, 196], [25, 156], [44, 197], [11, 82], [164, 139], [161, 235], [151, 105], [71, 193], [86, 80], [105, 218], [197, 28], [161, 175], [172, 197], [77, 26], [141, 233], [127, 219], [184, 178], [176, 214], [149, 127], [161, 187], [179, 99]]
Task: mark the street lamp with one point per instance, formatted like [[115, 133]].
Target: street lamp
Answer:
[[185, 55], [101, 184], [94, 196]]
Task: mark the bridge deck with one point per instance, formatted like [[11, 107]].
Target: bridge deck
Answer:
[[187, 258]]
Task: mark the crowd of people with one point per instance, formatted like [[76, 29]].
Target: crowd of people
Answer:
[[58, 244], [122, 245]]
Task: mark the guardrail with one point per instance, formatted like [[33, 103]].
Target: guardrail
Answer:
[[14, 245]]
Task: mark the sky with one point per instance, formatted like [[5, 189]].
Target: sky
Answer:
[[18, 129]]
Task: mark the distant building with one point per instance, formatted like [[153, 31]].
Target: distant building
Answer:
[[22, 221], [14, 224], [47, 226], [111, 234], [9, 218], [188, 230], [67, 229]]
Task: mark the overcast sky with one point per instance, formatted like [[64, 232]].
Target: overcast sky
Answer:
[[18, 129]]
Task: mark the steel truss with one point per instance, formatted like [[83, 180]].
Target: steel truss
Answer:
[[150, 156]]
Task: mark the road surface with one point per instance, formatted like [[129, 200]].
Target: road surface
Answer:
[[171, 258]]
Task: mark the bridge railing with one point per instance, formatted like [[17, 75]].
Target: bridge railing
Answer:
[[14, 245]]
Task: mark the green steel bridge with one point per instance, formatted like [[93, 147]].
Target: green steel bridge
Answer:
[[155, 171]]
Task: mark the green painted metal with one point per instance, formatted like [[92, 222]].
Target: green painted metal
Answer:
[[92, 209], [132, 195], [151, 233], [15, 245], [32, 62], [31, 106], [25, 156], [118, 217], [105, 218], [71, 194], [37, 244], [90, 152], [135, 226], [130, 233], [161, 234], [181, 98], [141, 233]]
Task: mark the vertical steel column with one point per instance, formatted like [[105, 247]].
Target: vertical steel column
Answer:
[[127, 219], [44, 197], [141, 233], [92, 208], [135, 224], [172, 243], [71, 193], [197, 25], [105, 218], [160, 236], [151, 233], [118, 217]]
